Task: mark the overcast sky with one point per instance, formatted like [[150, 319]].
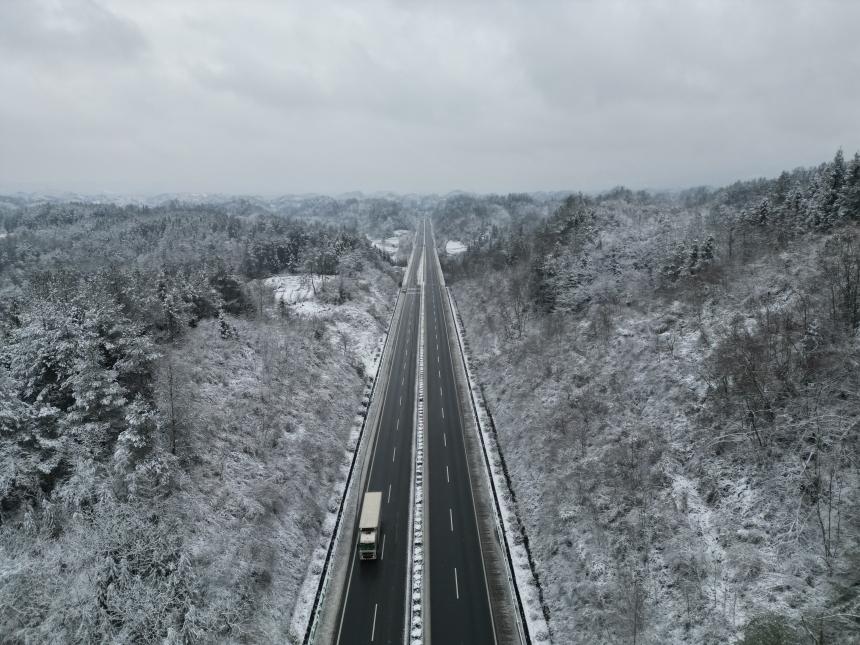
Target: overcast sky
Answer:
[[273, 97]]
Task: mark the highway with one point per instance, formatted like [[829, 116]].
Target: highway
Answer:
[[373, 606], [459, 601]]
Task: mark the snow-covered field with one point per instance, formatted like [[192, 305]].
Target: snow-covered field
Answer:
[[354, 326], [295, 288], [391, 244], [454, 247]]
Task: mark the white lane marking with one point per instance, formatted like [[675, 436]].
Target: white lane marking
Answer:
[[395, 453], [403, 380], [401, 400], [373, 631], [451, 517], [445, 439], [456, 590], [440, 391], [443, 413], [389, 490], [440, 373], [447, 475], [398, 425], [382, 555]]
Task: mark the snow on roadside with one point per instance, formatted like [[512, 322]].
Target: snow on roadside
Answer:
[[524, 578]]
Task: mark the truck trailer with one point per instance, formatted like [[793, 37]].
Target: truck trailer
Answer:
[[368, 526]]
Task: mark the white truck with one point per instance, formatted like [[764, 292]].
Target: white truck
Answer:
[[368, 526]]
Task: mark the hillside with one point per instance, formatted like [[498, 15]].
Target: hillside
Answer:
[[171, 433], [673, 381]]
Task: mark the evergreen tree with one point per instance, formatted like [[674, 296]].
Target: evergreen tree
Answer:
[[223, 325], [763, 212], [836, 177], [850, 200], [542, 287], [708, 250], [817, 209], [783, 186], [693, 263]]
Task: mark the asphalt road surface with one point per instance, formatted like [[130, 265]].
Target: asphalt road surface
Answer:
[[459, 603], [373, 608]]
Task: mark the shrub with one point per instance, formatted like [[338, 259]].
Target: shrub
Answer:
[[769, 629]]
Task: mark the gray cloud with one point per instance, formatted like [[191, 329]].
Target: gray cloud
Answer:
[[280, 97], [62, 35]]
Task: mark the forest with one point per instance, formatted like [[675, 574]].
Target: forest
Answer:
[[673, 382], [672, 379], [170, 432]]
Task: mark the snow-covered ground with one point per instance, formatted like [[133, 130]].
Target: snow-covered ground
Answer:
[[266, 416], [353, 327], [354, 333], [391, 244], [454, 247], [295, 288]]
